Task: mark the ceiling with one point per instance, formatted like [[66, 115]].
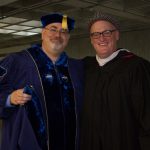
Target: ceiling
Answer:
[[20, 19]]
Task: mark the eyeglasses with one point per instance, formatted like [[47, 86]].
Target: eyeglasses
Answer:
[[106, 33], [54, 31]]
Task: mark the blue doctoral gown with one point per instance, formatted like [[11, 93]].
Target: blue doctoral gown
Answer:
[[22, 70]]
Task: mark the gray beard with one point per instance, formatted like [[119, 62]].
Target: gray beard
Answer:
[[56, 47]]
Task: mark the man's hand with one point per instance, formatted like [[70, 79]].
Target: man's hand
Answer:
[[18, 97]]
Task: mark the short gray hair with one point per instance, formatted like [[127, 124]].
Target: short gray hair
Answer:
[[105, 17]]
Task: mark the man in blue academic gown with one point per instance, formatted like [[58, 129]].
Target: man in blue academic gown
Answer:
[[41, 92]]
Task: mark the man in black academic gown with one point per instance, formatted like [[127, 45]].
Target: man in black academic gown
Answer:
[[116, 107]]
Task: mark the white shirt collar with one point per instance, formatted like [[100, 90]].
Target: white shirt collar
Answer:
[[102, 62]]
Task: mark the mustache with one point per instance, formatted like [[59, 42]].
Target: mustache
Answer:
[[57, 40]]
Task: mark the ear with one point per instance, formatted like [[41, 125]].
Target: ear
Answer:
[[42, 33], [68, 36], [117, 35], [91, 40]]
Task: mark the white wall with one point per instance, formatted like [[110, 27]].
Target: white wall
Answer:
[[137, 42], [80, 47]]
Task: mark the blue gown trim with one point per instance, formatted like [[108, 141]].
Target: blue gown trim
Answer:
[[59, 97]]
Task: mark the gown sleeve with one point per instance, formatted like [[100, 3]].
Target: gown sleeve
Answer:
[[6, 82], [140, 97]]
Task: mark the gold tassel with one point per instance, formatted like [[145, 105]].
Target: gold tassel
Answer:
[[64, 22]]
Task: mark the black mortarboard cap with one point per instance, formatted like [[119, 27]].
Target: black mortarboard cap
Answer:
[[67, 22]]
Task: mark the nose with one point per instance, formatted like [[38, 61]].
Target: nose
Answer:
[[57, 34], [101, 37]]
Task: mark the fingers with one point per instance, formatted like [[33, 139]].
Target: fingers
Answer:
[[19, 98]]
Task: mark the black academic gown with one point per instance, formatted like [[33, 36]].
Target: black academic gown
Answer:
[[116, 108]]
